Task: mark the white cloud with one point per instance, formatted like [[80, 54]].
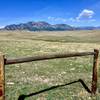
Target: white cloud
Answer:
[[57, 19], [72, 19], [1, 26], [51, 18], [86, 13], [92, 20], [77, 20]]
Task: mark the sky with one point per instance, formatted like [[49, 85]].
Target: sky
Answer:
[[72, 12]]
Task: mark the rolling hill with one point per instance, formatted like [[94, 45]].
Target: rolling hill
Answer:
[[44, 26]]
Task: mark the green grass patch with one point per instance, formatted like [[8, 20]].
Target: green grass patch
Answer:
[[35, 76]]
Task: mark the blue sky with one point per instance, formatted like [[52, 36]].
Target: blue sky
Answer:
[[72, 12]]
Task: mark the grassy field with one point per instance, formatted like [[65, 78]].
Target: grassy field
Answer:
[[32, 77]]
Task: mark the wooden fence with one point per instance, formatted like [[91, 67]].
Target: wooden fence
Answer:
[[4, 61]]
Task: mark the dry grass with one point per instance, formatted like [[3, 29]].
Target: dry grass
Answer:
[[31, 77]]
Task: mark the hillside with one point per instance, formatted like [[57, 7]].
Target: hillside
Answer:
[[38, 26], [44, 26]]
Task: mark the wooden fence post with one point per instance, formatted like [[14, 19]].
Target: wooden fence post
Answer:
[[94, 74], [2, 77]]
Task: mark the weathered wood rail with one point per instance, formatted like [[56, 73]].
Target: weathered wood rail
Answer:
[[46, 57], [5, 61]]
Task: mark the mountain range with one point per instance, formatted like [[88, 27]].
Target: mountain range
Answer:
[[44, 26]]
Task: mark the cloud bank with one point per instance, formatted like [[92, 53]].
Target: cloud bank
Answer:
[[57, 19], [86, 13]]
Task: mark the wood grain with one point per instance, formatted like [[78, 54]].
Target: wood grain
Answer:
[[1, 77]]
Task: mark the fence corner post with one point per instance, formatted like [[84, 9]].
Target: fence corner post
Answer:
[[94, 74], [2, 83]]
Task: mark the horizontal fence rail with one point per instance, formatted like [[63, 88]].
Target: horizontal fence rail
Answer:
[[46, 57]]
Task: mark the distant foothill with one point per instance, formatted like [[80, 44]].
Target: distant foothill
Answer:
[[44, 26]]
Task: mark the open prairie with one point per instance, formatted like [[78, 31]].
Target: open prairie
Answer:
[[35, 76]]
